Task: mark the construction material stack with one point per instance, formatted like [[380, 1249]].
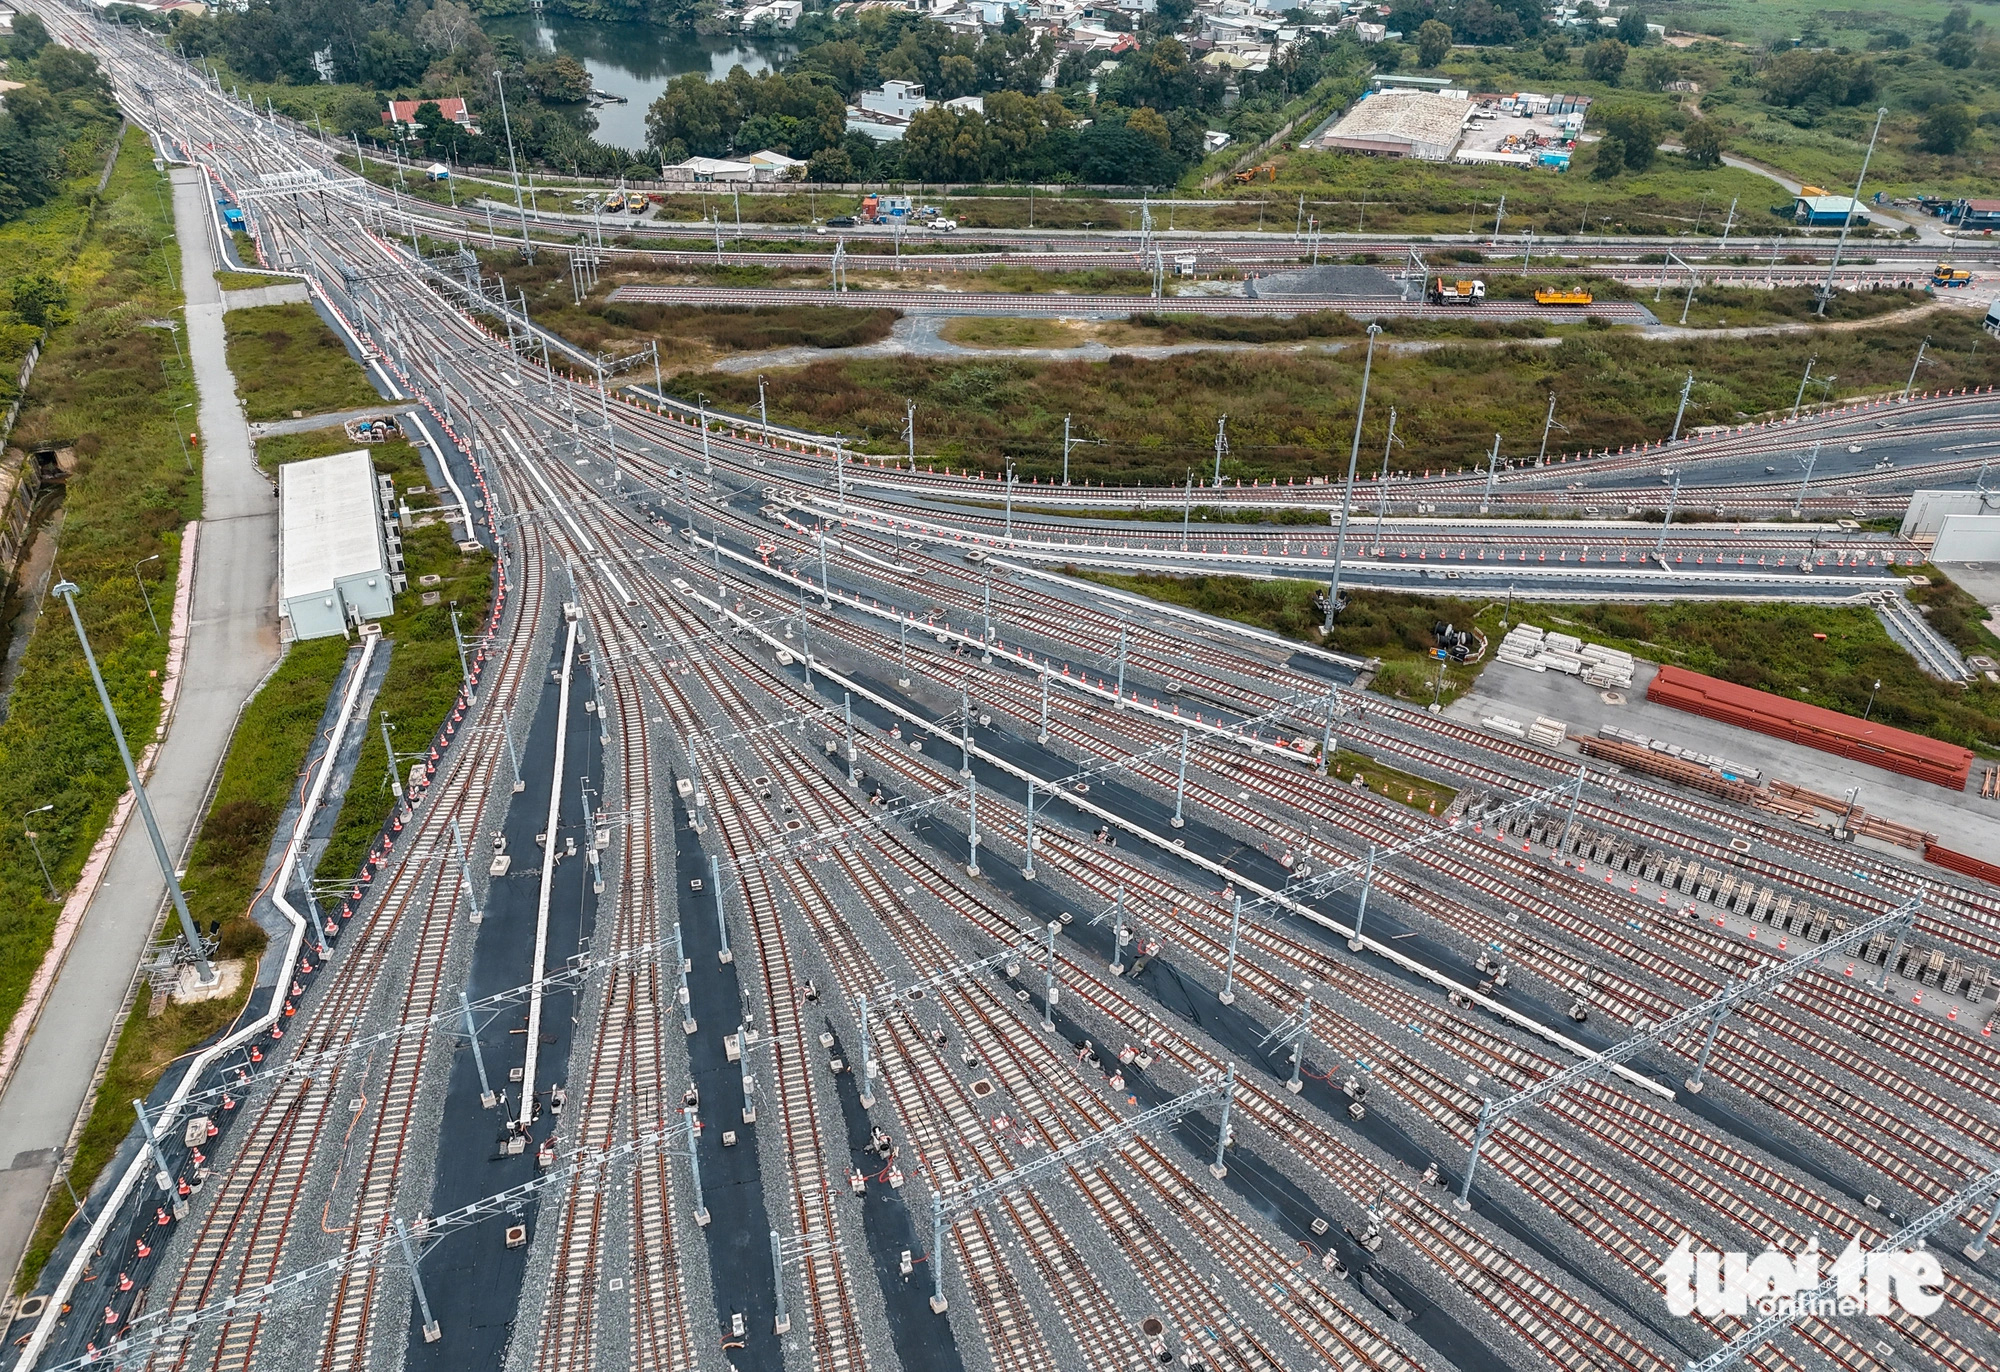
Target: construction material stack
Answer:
[[1597, 665]]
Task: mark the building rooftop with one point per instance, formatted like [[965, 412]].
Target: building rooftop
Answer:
[[328, 522], [1405, 116]]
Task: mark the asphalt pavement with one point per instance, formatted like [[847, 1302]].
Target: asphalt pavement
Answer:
[[473, 1280]]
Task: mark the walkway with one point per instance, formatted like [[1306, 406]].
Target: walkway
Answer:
[[232, 642]]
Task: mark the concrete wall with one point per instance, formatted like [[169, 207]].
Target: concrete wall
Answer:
[[1968, 538], [1929, 509]]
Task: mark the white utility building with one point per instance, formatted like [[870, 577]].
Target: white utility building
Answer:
[[339, 565]]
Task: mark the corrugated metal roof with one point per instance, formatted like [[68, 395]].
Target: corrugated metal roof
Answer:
[[1405, 116], [328, 525]]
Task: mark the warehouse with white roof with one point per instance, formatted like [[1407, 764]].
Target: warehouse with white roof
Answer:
[[1402, 123], [339, 566]]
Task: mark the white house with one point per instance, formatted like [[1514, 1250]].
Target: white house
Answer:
[[897, 99], [783, 14]]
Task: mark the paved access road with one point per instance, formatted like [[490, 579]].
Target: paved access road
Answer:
[[232, 641]]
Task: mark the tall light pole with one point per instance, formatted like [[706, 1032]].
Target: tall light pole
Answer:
[[1804, 381], [1347, 500], [1871, 701], [1913, 367], [144, 596], [42, 863], [1847, 220], [68, 591], [513, 167]]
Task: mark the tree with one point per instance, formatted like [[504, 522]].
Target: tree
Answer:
[[387, 59], [1604, 61], [1946, 129], [1956, 50], [30, 35], [1610, 159], [1148, 124], [1433, 42], [561, 80], [1703, 144], [1555, 47], [1631, 29], [40, 299], [1797, 77], [1637, 131], [830, 164]]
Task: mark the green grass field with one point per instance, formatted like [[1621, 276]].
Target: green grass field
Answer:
[[1290, 412], [1768, 647], [108, 386], [258, 778], [287, 359]]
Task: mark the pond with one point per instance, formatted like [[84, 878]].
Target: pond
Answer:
[[635, 61]]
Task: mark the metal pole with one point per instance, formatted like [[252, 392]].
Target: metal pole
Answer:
[[1977, 1248], [1221, 447], [723, 955], [1187, 512], [1066, 450], [465, 871], [1707, 1046], [149, 599], [783, 1323], [972, 824], [1049, 985], [1804, 381], [464, 667], [986, 617], [1902, 933], [1218, 1169], [1847, 220], [1295, 1085], [1326, 735], [1228, 993], [1043, 736], [1913, 369], [1123, 630], [1479, 1133], [964, 732], [68, 591], [165, 1175], [937, 1254], [1569, 816], [847, 708], [1547, 424], [1361, 910], [867, 1060], [1727, 224], [1687, 389], [763, 415], [395, 782], [1180, 786], [1492, 472], [1118, 936], [486, 1097], [1812, 459], [689, 1114], [903, 653], [513, 168], [825, 594], [1673, 498], [430, 1326], [1347, 500], [1028, 847]]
